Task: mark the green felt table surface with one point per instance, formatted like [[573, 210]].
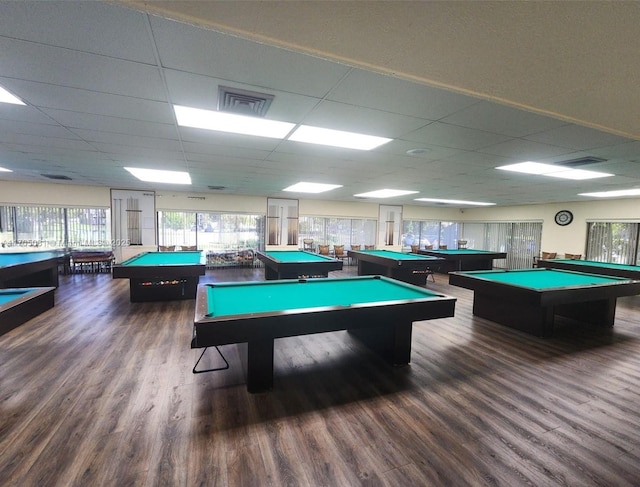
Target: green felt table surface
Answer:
[[9, 295], [165, 258], [296, 256], [239, 298], [545, 278], [598, 264], [15, 258], [395, 255]]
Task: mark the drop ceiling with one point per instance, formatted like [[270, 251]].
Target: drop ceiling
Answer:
[[474, 85]]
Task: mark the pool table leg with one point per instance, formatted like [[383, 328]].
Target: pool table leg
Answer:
[[393, 342], [259, 365], [600, 313], [537, 320]]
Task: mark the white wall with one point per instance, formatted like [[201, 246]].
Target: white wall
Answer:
[[571, 238]]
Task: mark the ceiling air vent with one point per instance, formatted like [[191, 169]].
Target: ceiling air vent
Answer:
[[59, 177], [243, 102], [581, 161], [216, 188]]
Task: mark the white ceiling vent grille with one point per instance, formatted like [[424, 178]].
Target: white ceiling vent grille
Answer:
[[581, 161], [243, 102]]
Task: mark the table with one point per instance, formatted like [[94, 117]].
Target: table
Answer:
[[529, 299], [162, 276], [30, 269], [292, 264], [377, 310], [19, 305], [592, 267], [465, 259], [411, 268]]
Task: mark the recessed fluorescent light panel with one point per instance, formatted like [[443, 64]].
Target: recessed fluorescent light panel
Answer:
[[6, 97], [229, 122], [614, 194], [3, 169], [579, 174], [160, 176], [337, 138], [454, 202], [538, 168], [384, 193], [303, 187]]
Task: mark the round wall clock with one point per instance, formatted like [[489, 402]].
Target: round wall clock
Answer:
[[564, 217]]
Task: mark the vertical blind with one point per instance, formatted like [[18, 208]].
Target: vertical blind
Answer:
[[338, 231], [521, 241], [615, 242]]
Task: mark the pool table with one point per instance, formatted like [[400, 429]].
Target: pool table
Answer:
[[19, 305], [465, 259], [377, 310], [162, 276], [293, 264], [30, 269], [529, 299], [592, 267], [411, 268]]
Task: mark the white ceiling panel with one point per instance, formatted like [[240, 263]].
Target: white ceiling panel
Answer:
[[492, 117], [200, 51], [455, 137], [100, 28]]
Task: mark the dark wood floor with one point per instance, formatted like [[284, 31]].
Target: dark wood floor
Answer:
[[99, 391]]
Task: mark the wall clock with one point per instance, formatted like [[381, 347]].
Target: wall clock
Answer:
[[564, 217]]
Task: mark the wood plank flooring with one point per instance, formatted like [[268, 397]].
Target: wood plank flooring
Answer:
[[99, 391]]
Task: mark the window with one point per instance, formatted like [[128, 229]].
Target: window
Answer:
[[429, 232], [55, 227], [521, 241], [211, 231], [88, 227], [40, 226], [615, 242], [338, 231], [177, 228]]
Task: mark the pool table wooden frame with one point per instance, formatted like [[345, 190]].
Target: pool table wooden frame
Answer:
[[583, 266], [320, 266], [533, 310], [28, 303], [39, 270], [160, 282], [465, 259], [413, 271], [384, 326]]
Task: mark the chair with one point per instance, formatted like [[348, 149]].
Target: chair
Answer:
[[323, 249], [166, 248], [544, 256], [338, 252], [307, 244], [369, 247], [414, 249], [356, 247], [428, 247], [442, 247], [189, 247], [462, 244], [573, 256]]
